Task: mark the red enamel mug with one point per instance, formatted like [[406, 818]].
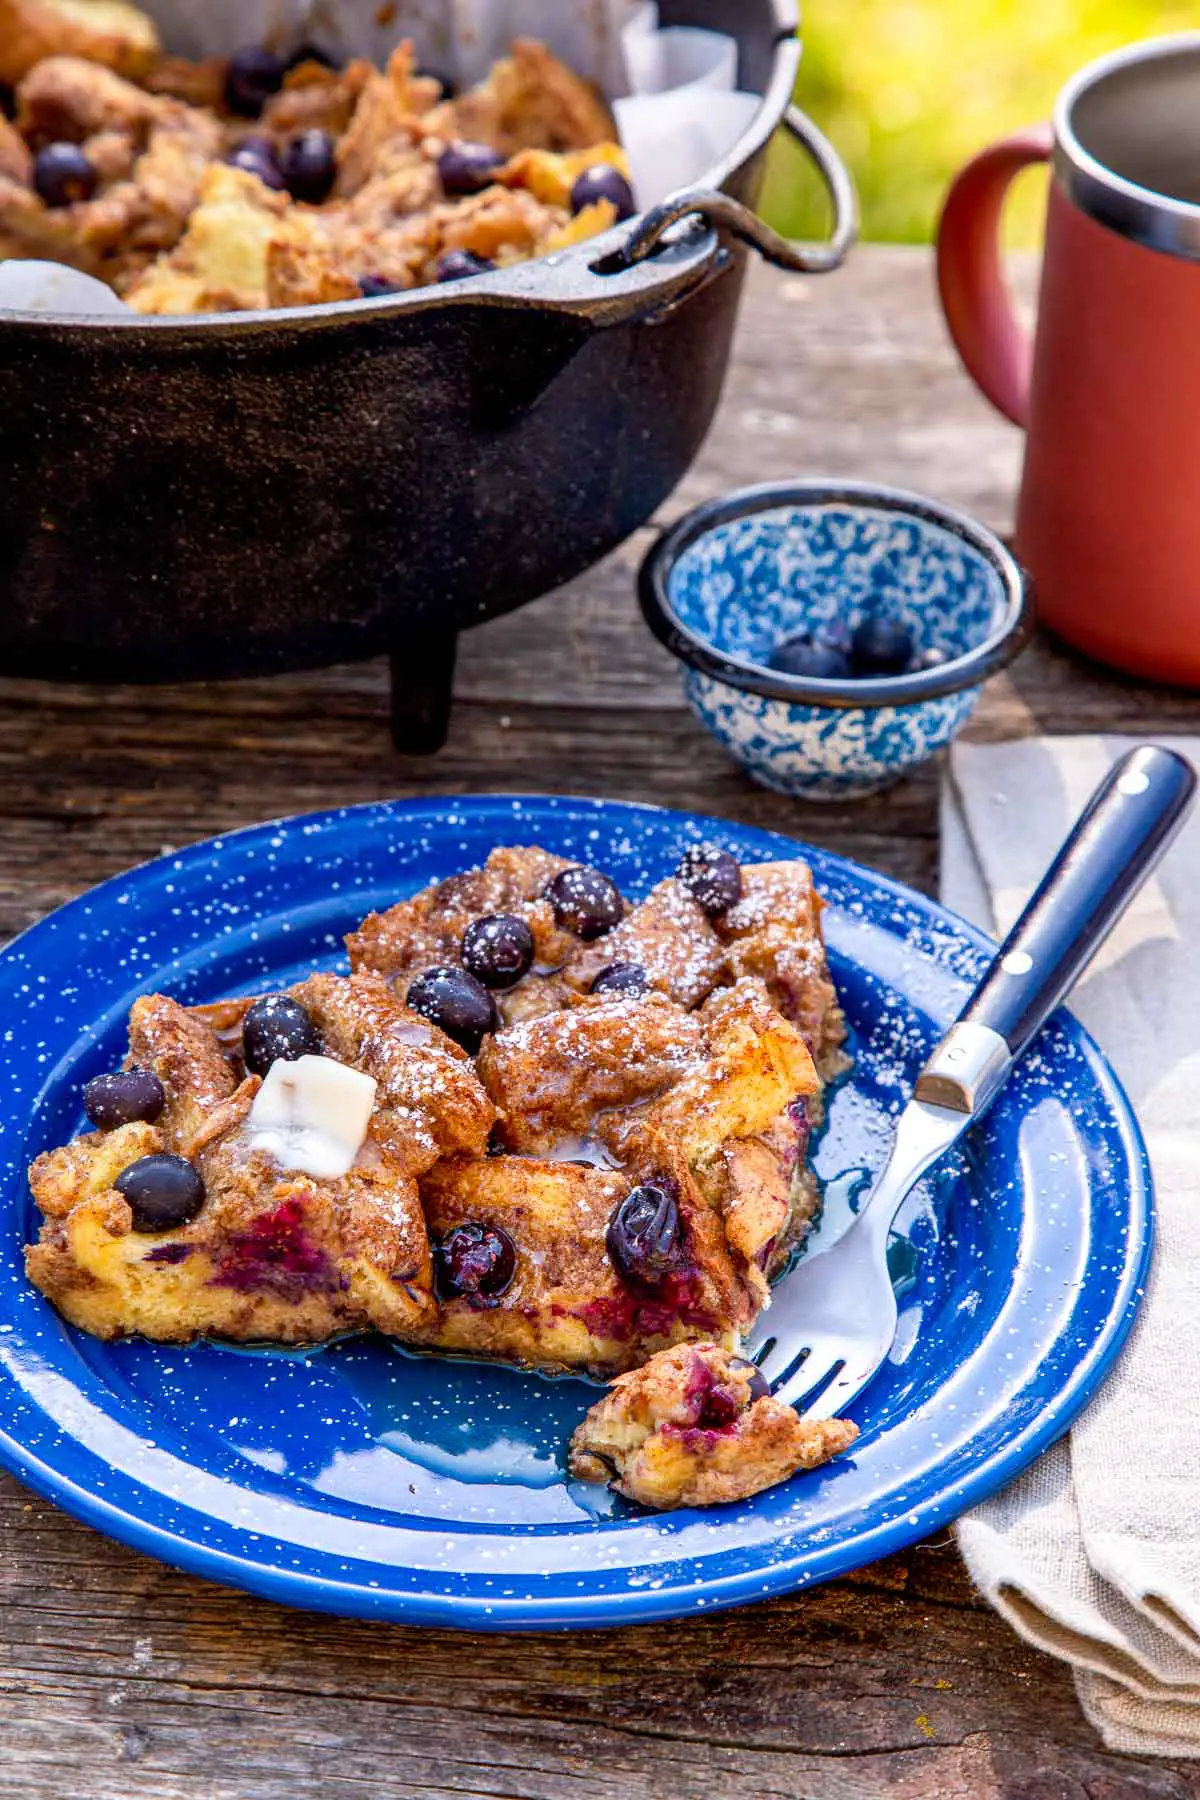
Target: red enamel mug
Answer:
[[1108, 521]]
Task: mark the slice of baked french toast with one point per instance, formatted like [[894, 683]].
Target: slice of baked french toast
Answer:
[[208, 1216]]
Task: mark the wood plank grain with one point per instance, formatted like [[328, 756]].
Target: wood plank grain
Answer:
[[894, 1683], [121, 1677]]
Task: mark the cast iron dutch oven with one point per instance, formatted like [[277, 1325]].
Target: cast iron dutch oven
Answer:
[[239, 493]]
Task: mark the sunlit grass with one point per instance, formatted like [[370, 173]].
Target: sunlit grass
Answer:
[[909, 89]]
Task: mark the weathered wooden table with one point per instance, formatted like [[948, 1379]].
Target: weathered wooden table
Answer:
[[119, 1677]]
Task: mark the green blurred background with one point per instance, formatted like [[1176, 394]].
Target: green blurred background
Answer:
[[909, 89]]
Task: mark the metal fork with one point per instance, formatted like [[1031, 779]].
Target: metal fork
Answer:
[[833, 1318]]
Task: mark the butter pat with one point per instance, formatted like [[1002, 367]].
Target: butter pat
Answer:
[[311, 1115]]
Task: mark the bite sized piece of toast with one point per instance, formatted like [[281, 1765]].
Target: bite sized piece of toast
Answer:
[[222, 262], [774, 934], [68, 99], [751, 1065], [89, 1165], [386, 109], [200, 84], [359, 1240], [694, 1427], [738, 1118], [428, 1099], [316, 98], [551, 175], [304, 271], [717, 1098], [127, 224], [271, 1252], [528, 101], [186, 1055], [669, 935], [567, 1306], [553, 1077], [427, 931], [271, 1257], [16, 158], [149, 153], [109, 32]]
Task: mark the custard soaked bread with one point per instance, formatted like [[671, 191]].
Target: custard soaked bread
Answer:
[[535, 1122], [183, 1223], [250, 181], [696, 1426]]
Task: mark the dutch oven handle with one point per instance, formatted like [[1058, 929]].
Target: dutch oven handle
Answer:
[[721, 210]]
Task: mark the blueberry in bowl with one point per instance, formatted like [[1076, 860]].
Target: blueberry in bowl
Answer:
[[834, 634]]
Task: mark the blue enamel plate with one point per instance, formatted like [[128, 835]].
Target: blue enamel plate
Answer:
[[365, 1481]]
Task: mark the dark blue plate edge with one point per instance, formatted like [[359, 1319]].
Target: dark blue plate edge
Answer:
[[469, 1612]]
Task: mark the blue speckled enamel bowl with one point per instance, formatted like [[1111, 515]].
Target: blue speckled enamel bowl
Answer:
[[722, 587]]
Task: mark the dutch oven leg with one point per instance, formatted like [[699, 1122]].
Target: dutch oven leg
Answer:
[[422, 687]]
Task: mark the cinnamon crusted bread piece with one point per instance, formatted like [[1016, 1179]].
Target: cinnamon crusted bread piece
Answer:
[[696, 1426], [528, 101], [427, 931], [270, 1253], [109, 32], [647, 1183], [149, 154], [773, 932]]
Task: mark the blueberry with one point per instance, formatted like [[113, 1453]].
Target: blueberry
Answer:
[[622, 978], [712, 877], [256, 155], [62, 174], [454, 1001], [797, 1111], [460, 265], [834, 634], [759, 1385], [929, 658], [474, 1260], [254, 74], [603, 182], [643, 1233], [162, 1191], [498, 949], [112, 1100], [881, 647], [585, 902], [803, 656], [308, 166], [468, 168], [374, 287], [277, 1028]]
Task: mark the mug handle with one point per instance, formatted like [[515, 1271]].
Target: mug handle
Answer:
[[997, 351]]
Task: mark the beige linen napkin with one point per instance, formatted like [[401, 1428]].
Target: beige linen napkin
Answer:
[[1094, 1553]]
